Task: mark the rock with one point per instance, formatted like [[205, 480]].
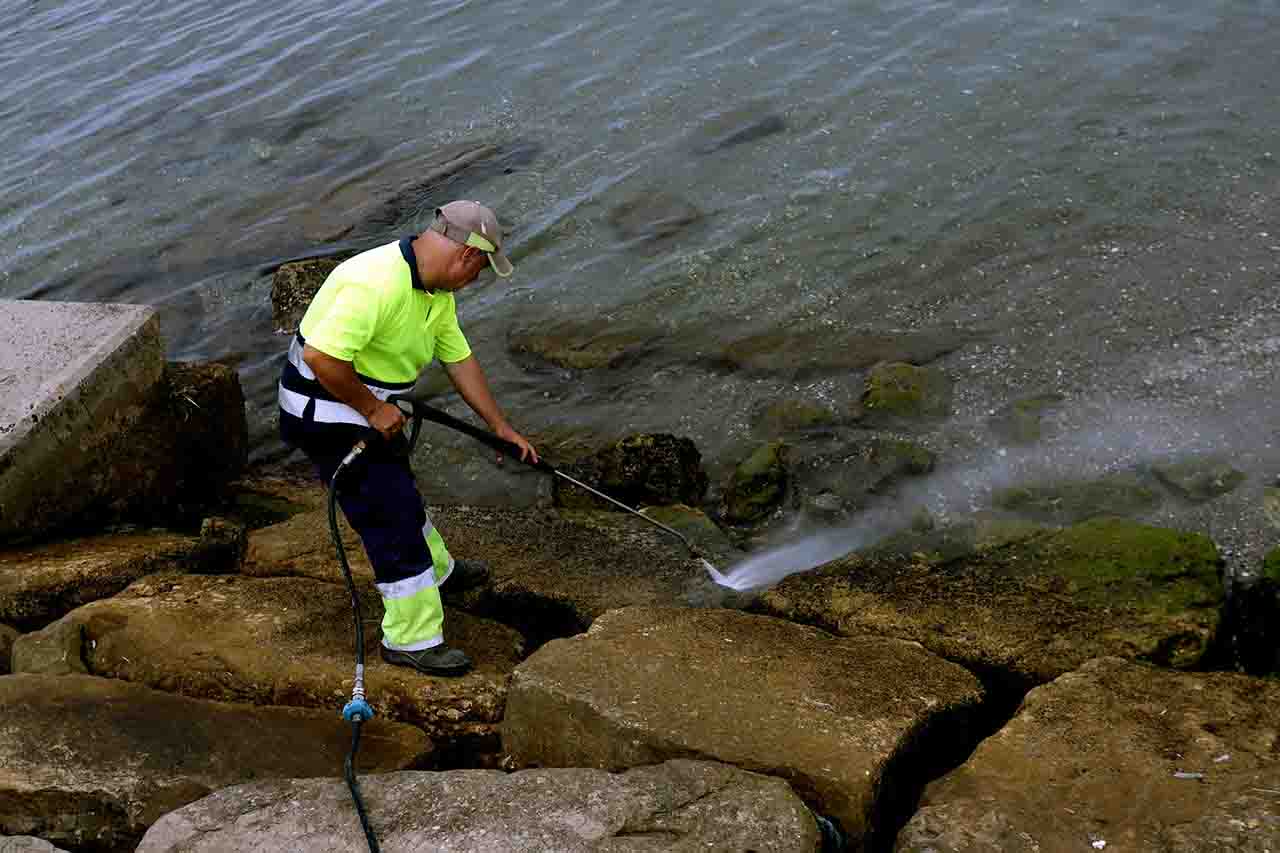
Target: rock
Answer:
[[837, 718], [555, 571], [785, 416], [42, 583], [1271, 505], [57, 650], [737, 126], [1199, 479], [1069, 502], [7, 636], [583, 344], [639, 470], [652, 216], [1117, 756], [288, 641], [897, 391], [806, 352], [757, 485], [294, 285], [855, 471], [679, 805], [90, 763], [1020, 422], [698, 528], [1028, 611], [26, 844], [1251, 618]]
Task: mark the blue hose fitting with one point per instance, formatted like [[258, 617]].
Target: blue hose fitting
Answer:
[[357, 707]]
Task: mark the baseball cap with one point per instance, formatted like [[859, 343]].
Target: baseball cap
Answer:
[[472, 224]]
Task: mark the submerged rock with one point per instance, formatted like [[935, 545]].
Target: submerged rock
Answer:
[[737, 126], [1199, 479], [836, 717], [898, 391], [90, 763], [1117, 756], [1021, 421], [854, 471], [1031, 609], [1069, 502], [678, 805], [652, 216], [800, 352], [584, 345]]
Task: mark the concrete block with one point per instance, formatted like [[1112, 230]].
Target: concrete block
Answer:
[[72, 377]]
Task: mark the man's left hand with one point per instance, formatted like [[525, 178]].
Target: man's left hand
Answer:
[[527, 451]]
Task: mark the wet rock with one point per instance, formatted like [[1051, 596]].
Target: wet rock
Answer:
[[801, 352], [1199, 479], [786, 416], [639, 470], [90, 763], [835, 717], [1021, 421], [1117, 756], [287, 641], [1251, 618], [897, 391], [696, 526], [855, 471], [758, 484], [42, 583], [7, 636], [583, 345], [56, 650], [737, 127], [1028, 610], [555, 571], [652, 216], [678, 805], [293, 285], [1068, 502]]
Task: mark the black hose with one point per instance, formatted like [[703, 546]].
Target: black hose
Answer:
[[350, 766]]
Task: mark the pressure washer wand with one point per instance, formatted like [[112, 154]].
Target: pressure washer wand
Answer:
[[425, 412]]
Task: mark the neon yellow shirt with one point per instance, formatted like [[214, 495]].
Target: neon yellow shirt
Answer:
[[368, 312]]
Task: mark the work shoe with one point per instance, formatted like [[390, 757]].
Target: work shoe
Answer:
[[467, 574], [438, 660]]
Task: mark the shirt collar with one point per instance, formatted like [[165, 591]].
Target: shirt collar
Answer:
[[406, 249]]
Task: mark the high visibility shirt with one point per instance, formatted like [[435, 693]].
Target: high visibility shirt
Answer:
[[374, 312]]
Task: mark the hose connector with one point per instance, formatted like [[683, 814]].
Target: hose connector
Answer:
[[357, 709]]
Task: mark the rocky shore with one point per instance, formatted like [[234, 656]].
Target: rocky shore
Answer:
[[1051, 673]]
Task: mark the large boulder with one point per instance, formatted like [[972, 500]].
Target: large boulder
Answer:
[[1117, 756], [26, 844], [845, 720], [679, 805], [39, 584], [90, 763], [287, 641], [1029, 609]]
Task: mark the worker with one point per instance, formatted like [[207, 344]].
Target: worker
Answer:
[[374, 325]]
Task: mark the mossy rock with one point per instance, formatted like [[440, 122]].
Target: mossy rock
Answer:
[[898, 391], [583, 345], [1021, 422], [292, 287], [786, 416], [758, 484], [640, 470], [1069, 502], [854, 471], [1271, 505], [697, 527], [1199, 479]]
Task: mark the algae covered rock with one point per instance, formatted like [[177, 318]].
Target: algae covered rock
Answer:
[[896, 391], [583, 345], [1072, 501], [758, 484], [853, 472], [642, 469], [1021, 422], [785, 416], [1028, 605]]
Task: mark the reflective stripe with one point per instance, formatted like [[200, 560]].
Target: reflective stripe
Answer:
[[427, 528], [327, 412], [409, 586], [415, 647]]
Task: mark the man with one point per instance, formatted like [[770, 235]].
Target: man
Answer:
[[370, 330]]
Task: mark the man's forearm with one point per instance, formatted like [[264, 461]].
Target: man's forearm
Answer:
[[339, 379], [468, 378]]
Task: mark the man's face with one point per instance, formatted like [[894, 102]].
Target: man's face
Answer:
[[465, 267]]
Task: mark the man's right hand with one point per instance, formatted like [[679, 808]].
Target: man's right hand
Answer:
[[387, 419]]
